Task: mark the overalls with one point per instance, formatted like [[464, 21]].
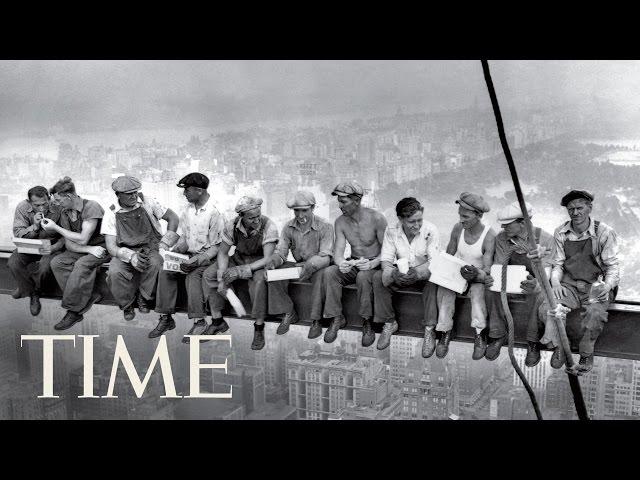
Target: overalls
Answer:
[[580, 271], [248, 250], [136, 232], [497, 319], [76, 272]]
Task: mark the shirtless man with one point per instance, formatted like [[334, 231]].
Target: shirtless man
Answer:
[[364, 229], [474, 243]]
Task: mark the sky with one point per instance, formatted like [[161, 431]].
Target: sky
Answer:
[[86, 95]]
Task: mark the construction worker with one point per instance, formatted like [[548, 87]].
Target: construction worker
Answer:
[[415, 241], [254, 237], [474, 243], [511, 245], [310, 240], [133, 233], [200, 235], [75, 269], [586, 250], [364, 229], [31, 270]]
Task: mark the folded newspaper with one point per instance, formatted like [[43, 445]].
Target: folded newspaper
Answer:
[[172, 261], [445, 271], [278, 274], [515, 275], [33, 246]]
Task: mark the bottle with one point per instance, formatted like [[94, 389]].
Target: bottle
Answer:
[[596, 289]]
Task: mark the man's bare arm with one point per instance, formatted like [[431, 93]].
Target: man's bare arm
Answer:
[[340, 244]]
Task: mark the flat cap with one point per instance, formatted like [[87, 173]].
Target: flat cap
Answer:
[[575, 194], [473, 201], [512, 212], [126, 184], [194, 179], [301, 199], [348, 188], [248, 203]]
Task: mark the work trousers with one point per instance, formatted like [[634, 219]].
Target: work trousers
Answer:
[[593, 317], [168, 292], [216, 301], [125, 281], [498, 321], [334, 280], [383, 300], [447, 307], [76, 276], [30, 271], [277, 294]]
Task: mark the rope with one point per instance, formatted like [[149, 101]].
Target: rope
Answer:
[[510, 338]]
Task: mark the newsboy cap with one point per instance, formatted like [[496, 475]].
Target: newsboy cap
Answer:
[[512, 212], [348, 188], [248, 203], [301, 199], [194, 179], [575, 194], [472, 201], [126, 184]]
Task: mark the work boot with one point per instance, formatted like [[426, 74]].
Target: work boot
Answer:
[[129, 312], [315, 330], [258, 337], [586, 363], [557, 359], [198, 328], [429, 342], [533, 354], [165, 323], [368, 335], [34, 304], [385, 337], [143, 305], [479, 346], [493, 347], [443, 344], [218, 325], [68, 321], [288, 319], [332, 332]]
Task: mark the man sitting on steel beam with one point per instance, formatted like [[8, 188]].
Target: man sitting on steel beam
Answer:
[[414, 241], [310, 240], [511, 243], [75, 269], [133, 236], [27, 224], [254, 237], [474, 243], [585, 275], [364, 229], [200, 229]]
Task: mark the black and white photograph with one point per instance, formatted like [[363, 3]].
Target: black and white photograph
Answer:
[[319, 239]]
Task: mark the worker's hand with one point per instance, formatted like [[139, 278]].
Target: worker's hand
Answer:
[[140, 261], [189, 265], [273, 262], [469, 272], [230, 275], [488, 281], [345, 266], [308, 269], [48, 224], [604, 295], [537, 253], [529, 286], [558, 290], [98, 252], [410, 277], [222, 289]]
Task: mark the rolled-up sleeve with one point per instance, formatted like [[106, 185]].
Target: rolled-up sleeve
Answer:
[[388, 251], [227, 233], [216, 227], [609, 256], [270, 233], [156, 207], [326, 241], [558, 256]]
